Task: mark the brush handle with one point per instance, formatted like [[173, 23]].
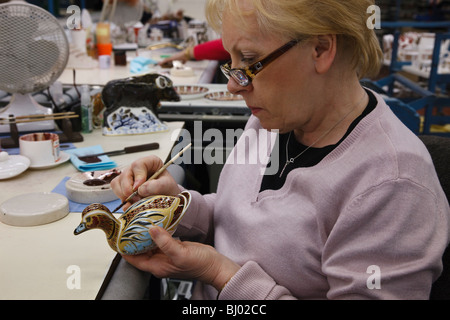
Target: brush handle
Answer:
[[142, 147]]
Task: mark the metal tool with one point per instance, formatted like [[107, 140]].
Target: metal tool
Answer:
[[132, 149]]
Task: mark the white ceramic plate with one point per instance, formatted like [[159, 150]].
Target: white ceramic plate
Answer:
[[223, 96], [64, 158], [13, 166], [191, 92]]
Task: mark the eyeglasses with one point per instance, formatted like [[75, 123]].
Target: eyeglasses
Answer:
[[245, 76]]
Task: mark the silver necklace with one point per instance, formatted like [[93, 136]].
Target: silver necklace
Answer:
[[291, 160]]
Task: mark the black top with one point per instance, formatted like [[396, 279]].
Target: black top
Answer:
[[311, 157]]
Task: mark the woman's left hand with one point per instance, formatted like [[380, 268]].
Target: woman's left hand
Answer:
[[184, 260]]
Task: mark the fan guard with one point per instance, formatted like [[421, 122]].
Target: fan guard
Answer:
[[33, 53]]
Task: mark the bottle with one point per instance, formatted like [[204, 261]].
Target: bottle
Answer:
[[86, 110]]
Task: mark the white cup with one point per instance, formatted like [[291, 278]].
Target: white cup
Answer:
[[104, 61], [41, 148], [79, 39]]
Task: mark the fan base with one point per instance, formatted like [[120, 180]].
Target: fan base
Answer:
[[24, 105]]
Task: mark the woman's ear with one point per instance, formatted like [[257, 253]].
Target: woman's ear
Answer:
[[325, 52]]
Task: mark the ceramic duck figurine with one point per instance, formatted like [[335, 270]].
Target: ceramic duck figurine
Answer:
[[129, 234]]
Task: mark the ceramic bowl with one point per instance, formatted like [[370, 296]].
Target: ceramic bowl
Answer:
[[92, 186]]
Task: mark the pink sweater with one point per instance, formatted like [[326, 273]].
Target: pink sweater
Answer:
[[370, 221]]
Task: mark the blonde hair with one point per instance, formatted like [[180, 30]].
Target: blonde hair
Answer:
[[347, 19]]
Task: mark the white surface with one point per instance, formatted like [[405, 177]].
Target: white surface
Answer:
[[39, 262], [43, 262], [34, 209], [97, 76], [11, 166]]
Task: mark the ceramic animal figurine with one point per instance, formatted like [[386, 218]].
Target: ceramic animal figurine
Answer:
[[132, 104], [129, 233]]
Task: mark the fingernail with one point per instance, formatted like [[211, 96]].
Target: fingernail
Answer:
[[154, 231]]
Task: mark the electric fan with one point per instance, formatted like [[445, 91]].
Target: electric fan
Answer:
[[33, 53]]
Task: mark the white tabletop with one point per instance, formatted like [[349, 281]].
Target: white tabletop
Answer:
[[43, 262], [203, 73]]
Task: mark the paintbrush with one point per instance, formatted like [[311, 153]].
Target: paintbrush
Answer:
[[155, 175]]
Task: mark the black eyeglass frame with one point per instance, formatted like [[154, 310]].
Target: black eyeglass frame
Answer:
[[244, 76]]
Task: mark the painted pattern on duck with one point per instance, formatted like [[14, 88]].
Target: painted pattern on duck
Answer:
[[129, 233]]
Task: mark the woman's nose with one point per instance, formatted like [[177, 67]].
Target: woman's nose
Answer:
[[235, 88]]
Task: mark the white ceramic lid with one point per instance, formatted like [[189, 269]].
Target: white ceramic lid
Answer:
[[34, 209], [11, 166]]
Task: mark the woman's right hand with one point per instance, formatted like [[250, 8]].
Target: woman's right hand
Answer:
[[135, 178]]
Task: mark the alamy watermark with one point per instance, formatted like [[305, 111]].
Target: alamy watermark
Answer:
[[374, 280], [254, 147], [74, 20], [74, 279], [374, 21]]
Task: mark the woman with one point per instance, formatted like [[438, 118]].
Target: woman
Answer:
[[354, 209]]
